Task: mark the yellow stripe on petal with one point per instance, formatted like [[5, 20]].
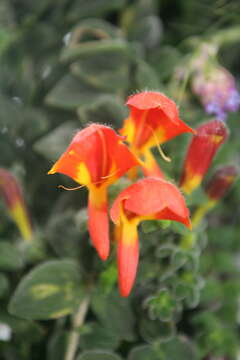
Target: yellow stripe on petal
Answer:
[[129, 130], [191, 183], [83, 175], [20, 216]]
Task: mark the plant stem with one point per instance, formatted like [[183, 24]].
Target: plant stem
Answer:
[[77, 321]]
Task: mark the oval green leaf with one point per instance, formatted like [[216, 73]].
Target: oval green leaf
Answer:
[[49, 291]]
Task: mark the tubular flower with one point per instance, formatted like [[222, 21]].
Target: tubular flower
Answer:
[[201, 151], [153, 120], [221, 182], [96, 158], [149, 198], [13, 198], [217, 91]]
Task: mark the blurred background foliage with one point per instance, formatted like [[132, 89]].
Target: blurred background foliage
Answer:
[[64, 64]]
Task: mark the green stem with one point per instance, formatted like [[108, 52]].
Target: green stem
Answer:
[[77, 321], [189, 240]]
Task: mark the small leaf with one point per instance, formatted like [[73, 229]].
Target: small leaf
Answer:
[[115, 313], [98, 355], [70, 93], [107, 110], [146, 77], [180, 348], [98, 337], [146, 352], [49, 291], [53, 144], [156, 330], [10, 257], [162, 306]]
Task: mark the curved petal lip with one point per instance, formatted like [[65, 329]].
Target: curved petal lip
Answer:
[[152, 197]]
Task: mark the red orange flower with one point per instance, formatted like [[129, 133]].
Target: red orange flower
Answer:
[[202, 149], [12, 194], [149, 198], [96, 158], [221, 181], [153, 120]]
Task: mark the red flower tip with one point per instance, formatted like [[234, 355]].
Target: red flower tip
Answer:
[[201, 151], [221, 182], [149, 198], [12, 195]]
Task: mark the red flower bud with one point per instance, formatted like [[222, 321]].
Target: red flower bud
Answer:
[[11, 192], [201, 151], [221, 182]]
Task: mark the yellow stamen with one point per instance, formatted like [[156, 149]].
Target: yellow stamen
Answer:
[[71, 189], [166, 158]]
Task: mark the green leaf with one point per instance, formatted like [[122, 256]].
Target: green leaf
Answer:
[[103, 64], [156, 330], [54, 143], [162, 305], [146, 352], [70, 93], [98, 337], [10, 257], [98, 355], [108, 110], [146, 77], [49, 291], [57, 345], [115, 313], [4, 285], [180, 348]]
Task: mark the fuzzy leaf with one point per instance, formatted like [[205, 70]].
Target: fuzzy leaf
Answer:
[[49, 291]]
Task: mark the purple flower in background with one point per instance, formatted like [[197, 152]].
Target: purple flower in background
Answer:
[[217, 90]]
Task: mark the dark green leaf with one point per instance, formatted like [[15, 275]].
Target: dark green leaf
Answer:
[[115, 313]]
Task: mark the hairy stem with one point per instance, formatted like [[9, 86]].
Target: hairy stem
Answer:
[[77, 321]]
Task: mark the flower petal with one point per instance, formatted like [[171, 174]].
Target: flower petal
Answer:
[[127, 255], [151, 198], [98, 223], [96, 155]]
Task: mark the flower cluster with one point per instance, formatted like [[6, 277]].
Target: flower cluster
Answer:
[[217, 90], [97, 157]]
